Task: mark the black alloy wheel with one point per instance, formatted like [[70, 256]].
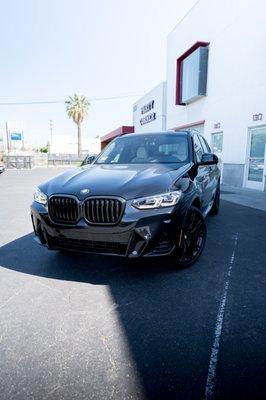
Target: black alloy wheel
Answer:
[[193, 238]]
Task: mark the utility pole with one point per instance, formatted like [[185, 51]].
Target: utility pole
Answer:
[[7, 138], [51, 135], [22, 137]]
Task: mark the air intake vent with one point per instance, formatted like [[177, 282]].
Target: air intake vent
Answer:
[[90, 246], [63, 209], [103, 210]]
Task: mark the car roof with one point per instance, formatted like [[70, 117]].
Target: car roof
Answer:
[[156, 133]]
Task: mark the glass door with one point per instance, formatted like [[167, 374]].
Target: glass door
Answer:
[[257, 158]]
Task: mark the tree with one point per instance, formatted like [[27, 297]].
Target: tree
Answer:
[[77, 107], [43, 149]]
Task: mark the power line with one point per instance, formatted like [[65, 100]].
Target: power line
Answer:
[[21, 103], [29, 103]]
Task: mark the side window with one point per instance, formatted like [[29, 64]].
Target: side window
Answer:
[[197, 148], [206, 147]]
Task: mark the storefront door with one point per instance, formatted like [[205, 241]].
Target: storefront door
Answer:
[[257, 159]]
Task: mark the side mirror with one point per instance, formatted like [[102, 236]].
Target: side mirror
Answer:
[[91, 159], [88, 160], [208, 159]]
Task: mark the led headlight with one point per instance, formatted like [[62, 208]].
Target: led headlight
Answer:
[[40, 197], [157, 201]]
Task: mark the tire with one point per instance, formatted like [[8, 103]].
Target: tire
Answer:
[[216, 204], [193, 237]]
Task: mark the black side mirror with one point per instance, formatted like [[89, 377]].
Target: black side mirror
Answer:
[[88, 160], [91, 159], [208, 159]]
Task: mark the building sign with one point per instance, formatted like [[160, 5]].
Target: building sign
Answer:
[[148, 118], [257, 117], [217, 125], [16, 136], [147, 107]]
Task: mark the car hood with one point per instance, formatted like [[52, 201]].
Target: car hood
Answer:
[[127, 181]]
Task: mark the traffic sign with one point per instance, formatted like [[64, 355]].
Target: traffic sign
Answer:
[[16, 136]]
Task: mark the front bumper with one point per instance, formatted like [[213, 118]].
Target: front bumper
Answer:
[[143, 233]]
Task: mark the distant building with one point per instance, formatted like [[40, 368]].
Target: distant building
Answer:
[[66, 144]]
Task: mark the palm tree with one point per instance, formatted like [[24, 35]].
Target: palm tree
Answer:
[[77, 107]]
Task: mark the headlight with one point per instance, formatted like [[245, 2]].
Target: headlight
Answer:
[[40, 197], [157, 201]]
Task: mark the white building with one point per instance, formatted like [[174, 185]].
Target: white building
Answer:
[[149, 112], [66, 144], [216, 83]]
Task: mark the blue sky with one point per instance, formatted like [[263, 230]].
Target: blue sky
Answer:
[[53, 48]]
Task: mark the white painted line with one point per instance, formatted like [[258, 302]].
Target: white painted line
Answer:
[[211, 377]]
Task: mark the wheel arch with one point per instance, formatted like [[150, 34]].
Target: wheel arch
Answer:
[[196, 203]]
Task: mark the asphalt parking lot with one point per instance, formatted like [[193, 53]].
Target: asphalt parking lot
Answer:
[[92, 327]]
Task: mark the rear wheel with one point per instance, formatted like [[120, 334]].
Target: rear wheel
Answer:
[[192, 239]]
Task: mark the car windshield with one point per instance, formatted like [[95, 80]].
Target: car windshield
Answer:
[[146, 149]]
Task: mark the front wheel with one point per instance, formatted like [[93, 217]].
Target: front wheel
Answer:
[[192, 238]]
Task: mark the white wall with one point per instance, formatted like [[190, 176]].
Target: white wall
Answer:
[[158, 95], [236, 86]]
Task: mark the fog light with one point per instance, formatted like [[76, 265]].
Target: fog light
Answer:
[[144, 232]]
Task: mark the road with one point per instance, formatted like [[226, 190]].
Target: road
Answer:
[[94, 327]]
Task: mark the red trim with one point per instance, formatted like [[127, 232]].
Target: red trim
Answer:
[[179, 68], [122, 130], [186, 126]]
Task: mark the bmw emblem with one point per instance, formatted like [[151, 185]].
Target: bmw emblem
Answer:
[[85, 191]]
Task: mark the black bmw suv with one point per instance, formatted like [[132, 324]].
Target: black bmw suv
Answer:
[[145, 195]]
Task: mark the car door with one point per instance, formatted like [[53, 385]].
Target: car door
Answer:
[[203, 175]]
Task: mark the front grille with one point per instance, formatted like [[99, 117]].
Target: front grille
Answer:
[[103, 210], [91, 246], [63, 209]]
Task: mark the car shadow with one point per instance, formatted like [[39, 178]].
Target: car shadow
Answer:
[[162, 310]]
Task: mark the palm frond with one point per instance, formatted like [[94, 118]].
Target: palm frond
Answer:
[[77, 107]]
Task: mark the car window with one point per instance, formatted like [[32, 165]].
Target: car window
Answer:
[[198, 150], [205, 146]]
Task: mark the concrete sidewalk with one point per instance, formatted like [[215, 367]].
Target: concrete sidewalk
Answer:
[[245, 197]]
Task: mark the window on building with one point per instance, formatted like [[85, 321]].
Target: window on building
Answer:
[[192, 74], [217, 143]]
